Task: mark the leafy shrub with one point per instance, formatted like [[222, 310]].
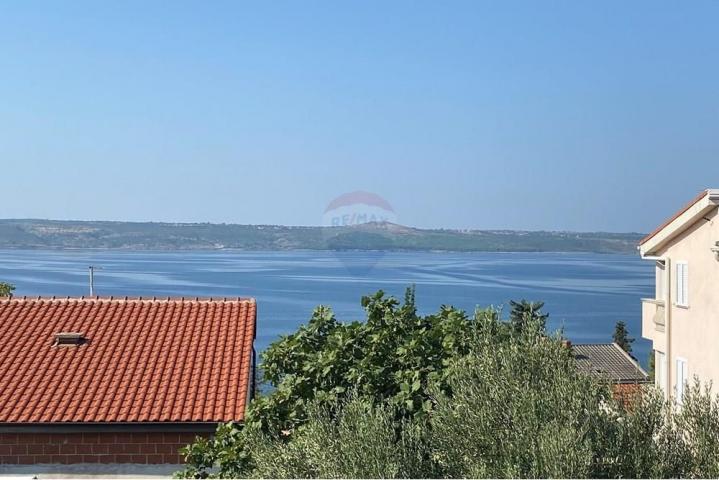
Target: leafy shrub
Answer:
[[352, 439], [451, 396], [697, 424], [518, 408], [392, 357]]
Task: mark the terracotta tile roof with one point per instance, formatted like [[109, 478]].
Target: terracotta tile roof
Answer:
[[143, 360], [686, 207], [608, 360]]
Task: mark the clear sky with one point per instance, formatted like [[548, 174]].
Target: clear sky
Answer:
[[539, 115]]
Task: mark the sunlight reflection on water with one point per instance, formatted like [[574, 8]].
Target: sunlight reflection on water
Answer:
[[584, 293]]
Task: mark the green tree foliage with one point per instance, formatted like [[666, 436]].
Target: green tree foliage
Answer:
[[621, 337], [522, 409], [522, 312], [654, 439], [6, 289], [518, 408], [391, 356], [493, 399], [355, 438], [651, 362]]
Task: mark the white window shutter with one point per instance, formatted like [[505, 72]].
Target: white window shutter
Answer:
[[682, 283], [678, 282]]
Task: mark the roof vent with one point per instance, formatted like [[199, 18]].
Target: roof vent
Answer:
[[69, 339]]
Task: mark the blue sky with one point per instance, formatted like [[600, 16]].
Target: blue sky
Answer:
[[538, 115]]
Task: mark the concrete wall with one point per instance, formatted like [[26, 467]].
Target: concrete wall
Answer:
[[694, 330], [103, 447]]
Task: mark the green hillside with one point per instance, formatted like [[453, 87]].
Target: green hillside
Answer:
[[193, 236]]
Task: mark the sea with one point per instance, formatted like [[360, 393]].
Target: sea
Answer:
[[585, 294]]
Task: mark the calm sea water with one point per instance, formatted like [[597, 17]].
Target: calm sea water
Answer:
[[584, 293]]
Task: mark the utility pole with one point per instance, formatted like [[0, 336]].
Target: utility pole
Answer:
[[92, 269]]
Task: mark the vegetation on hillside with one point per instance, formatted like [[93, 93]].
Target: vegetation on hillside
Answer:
[[371, 236], [450, 395]]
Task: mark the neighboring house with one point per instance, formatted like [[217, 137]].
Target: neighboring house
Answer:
[[118, 381], [682, 319], [611, 363]]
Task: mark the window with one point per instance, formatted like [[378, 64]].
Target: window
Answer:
[[660, 279], [682, 282], [660, 370], [681, 380]]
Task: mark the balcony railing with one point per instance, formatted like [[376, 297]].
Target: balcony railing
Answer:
[[653, 316]]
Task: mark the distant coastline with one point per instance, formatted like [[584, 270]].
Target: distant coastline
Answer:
[[110, 235]]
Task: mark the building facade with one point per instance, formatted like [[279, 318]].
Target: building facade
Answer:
[[682, 319]]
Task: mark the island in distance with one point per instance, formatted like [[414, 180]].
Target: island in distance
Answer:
[[65, 234]]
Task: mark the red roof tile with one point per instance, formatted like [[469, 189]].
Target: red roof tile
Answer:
[[143, 361]]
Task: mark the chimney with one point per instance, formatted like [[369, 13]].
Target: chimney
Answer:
[[69, 339], [567, 344]]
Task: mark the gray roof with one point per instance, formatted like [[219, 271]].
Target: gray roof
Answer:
[[608, 360]]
